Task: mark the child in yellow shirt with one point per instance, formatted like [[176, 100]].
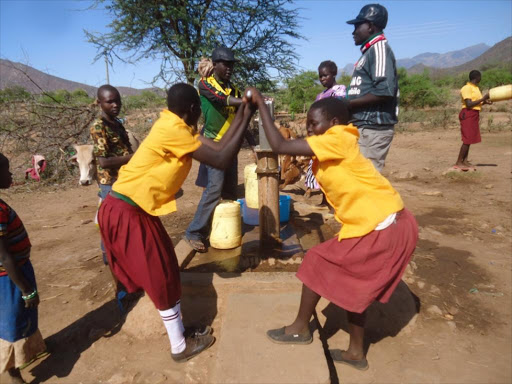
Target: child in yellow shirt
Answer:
[[139, 250], [366, 260]]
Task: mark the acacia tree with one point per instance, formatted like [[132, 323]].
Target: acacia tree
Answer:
[[179, 32]]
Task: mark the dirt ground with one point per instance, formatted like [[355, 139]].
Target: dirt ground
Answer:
[[460, 277]]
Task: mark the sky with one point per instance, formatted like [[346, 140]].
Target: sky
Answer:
[[49, 34]]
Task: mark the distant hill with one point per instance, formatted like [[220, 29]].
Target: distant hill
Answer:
[[444, 60], [499, 55], [13, 74]]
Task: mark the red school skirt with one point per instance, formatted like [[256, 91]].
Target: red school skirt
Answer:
[[355, 272], [140, 252], [469, 126]]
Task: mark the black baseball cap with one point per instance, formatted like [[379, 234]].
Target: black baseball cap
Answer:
[[223, 54], [374, 13]]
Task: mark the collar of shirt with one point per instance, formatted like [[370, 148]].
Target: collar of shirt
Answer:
[[219, 86], [372, 40]]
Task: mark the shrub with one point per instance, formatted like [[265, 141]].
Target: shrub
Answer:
[[419, 91]]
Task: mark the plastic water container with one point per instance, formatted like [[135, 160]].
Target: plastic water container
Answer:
[[251, 186], [226, 226], [251, 216], [501, 93]]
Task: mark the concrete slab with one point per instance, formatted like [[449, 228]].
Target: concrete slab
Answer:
[[245, 355], [184, 252], [285, 256]]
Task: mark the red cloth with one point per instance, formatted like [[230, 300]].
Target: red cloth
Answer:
[[140, 252], [469, 126], [39, 165], [357, 271]]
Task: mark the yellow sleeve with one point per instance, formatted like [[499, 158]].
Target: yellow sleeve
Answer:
[[180, 143], [466, 93], [335, 144]]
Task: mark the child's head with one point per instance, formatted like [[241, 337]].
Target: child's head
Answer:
[[325, 113], [183, 100], [327, 71], [109, 100], [5, 174], [475, 76]]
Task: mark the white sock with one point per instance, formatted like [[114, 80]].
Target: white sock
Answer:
[[182, 327], [173, 324]]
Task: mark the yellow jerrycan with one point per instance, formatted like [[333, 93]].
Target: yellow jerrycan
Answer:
[[501, 93], [251, 186], [226, 225]]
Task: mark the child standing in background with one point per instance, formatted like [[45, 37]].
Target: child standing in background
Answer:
[[20, 339], [327, 71], [365, 262], [469, 117]]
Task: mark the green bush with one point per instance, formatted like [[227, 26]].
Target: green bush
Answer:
[[419, 91], [15, 93], [301, 91], [494, 78], [146, 99]]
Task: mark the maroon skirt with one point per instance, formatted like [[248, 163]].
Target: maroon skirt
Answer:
[[469, 126], [140, 252], [355, 272]]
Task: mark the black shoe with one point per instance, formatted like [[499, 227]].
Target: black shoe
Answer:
[[195, 345], [201, 330]]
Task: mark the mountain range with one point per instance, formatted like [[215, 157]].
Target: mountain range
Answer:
[[17, 74], [478, 56]]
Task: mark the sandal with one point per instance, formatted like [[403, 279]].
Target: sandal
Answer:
[[278, 336], [197, 245], [337, 357], [459, 168]]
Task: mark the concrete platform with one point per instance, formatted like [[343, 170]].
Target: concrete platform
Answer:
[[243, 344], [250, 256]]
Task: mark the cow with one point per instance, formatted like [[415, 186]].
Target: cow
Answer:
[[86, 162]]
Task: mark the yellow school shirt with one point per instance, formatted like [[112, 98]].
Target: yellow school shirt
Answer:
[[359, 194], [159, 166], [472, 92]]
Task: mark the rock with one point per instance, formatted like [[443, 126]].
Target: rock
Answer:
[[453, 310], [435, 290], [271, 261], [121, 378], [427, 169], [420, 284], [405, 176], [434, 310], [86, 221], [433, 193], [413, 265], [447, 316], [144, 321], [409, 280], [489, 186]]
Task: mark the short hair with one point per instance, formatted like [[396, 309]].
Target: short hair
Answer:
[[330, 65], [332, 107], [474, 74], [180, 97], [106, 88]]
